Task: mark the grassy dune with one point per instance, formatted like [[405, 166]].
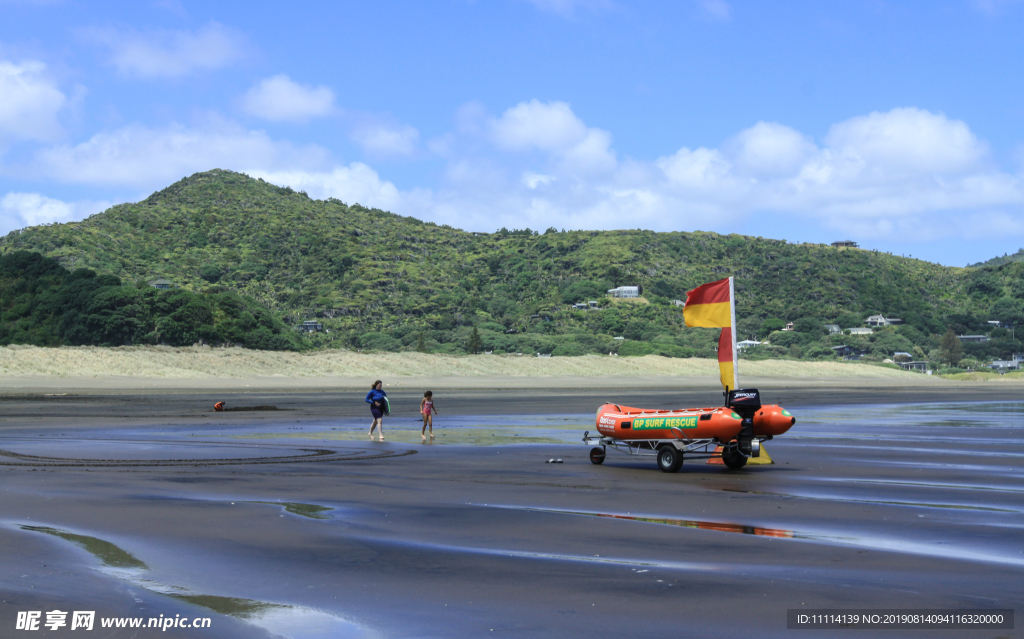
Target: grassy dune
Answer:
[[199, 362]]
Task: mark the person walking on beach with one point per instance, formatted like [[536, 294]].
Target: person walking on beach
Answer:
[[426, 406], [377, 399]]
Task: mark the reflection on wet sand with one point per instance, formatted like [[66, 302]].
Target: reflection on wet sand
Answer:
[[884, 502], [310, 511], [894, 482], [106, 552], [865, 541], [298, 622], [668, 521]]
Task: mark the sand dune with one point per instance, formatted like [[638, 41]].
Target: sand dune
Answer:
[[163, 362]]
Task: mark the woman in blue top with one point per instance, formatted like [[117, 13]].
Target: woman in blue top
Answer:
[[376, 399]]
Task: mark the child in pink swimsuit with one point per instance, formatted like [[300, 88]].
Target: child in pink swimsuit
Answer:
[[426, 406]]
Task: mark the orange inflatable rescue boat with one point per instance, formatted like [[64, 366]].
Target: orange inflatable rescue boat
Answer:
[[733, 432]]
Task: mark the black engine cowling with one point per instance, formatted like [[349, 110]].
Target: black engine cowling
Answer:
[[745, 403]]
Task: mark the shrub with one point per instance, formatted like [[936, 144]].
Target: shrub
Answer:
[[636, 349], [671, 350], [570, 349]]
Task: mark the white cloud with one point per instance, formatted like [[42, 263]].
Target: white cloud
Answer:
[[548, 126], [384, 139], [716, 9], [554, 128], [29, 102], [532, 180], [136, 155], [18, 210], [904, 173], [892, 174], [279, 99], [769, 149], [906, 142], [355, 183], [170, 53]]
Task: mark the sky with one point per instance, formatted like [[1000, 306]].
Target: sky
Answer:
[[899, 125]]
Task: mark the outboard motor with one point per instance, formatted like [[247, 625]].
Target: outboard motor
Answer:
[[746, 403]]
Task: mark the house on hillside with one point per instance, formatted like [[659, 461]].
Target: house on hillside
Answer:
[[789, 327], [1003, 365], [310, 326], [847, 352], [162, 284], [917, 367], [878, 321], [747, 342], [833, 329], [845, 244], [974, 339], [625, 291], [860, 331]]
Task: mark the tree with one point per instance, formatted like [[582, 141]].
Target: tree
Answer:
[[210, 273], [474, 345], [951, 350], [421, 342]]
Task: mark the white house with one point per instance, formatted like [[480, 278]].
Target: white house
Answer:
[[880, 320], [625, 291], [747, 342], [833, 329], [860, 331]]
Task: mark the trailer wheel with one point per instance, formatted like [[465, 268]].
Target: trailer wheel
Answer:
[[670, 460], [597, 455], [732, 458]]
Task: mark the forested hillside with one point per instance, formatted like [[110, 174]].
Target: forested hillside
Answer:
[[383, 281], [999, 261], [44, 304]]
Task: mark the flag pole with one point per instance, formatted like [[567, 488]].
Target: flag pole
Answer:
[[735, 352]]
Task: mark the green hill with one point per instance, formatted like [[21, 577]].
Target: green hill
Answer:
[[44, 304], [1000, 261], [387, 282]]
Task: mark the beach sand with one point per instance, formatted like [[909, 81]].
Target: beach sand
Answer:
[[139, 501]]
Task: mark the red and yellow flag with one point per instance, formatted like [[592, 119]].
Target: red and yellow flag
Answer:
[[711, 306], [726, 366]]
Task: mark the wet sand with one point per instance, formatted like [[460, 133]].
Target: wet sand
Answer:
[[281, 522]]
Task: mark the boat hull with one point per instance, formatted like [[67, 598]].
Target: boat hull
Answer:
[[627, 423], [721, 424]]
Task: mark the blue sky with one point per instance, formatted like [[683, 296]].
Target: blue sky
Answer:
[[896, 124]]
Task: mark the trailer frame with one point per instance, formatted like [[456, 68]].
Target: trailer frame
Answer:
[[692, 448]]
